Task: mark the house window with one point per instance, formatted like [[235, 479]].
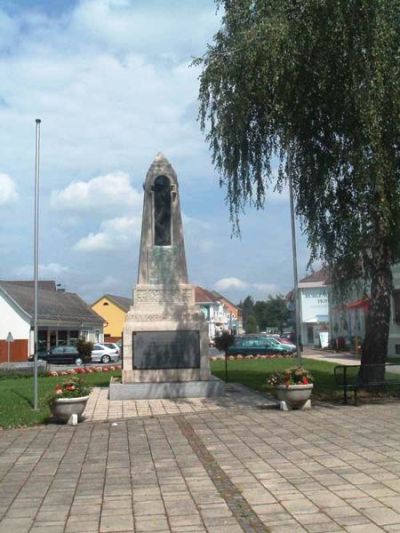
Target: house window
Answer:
[[97, 335], [396, 306], [73, 337], [105, 303], [62, 338]]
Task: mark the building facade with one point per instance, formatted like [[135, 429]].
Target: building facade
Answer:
[[220, 313], [113, 310], [314, 307], [63, 318], [348, 317]]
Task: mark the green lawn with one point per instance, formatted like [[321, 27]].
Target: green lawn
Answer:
[[16, 397], [254, 373]]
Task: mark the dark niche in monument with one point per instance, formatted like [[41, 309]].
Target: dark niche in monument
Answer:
[[166, 349], [162, 211]]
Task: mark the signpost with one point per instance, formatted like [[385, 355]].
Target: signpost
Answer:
[[9, 340]]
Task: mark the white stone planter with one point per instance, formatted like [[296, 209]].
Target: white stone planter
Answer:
[[63, 408], [294, 396]]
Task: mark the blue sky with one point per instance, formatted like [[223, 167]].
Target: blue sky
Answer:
[[112, 83]]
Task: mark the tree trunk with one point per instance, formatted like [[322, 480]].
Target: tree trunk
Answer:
[[375, 345]]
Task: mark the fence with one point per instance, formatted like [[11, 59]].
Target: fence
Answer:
[[18, 351]]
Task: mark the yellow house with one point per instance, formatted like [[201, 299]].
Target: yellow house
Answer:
[[113, 310]]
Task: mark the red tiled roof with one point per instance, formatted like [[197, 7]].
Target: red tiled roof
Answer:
[[320, 275], [204, 296]]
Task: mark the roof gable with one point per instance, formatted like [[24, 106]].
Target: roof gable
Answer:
[[52, 304], [123, 302], [204, 296]]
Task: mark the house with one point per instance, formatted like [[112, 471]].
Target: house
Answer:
[[314, 306], [113, 310], [220, 313], [63, 317], [348, 316], [234, 322]]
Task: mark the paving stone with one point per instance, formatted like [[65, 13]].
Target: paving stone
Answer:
[[382, 516]]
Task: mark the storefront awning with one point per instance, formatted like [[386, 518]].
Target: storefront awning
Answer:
[[316, 319], [359, 304]]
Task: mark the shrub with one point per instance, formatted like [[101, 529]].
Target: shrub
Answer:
[[84, 348]]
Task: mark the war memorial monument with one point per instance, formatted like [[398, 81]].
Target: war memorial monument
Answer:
[[165, 337]]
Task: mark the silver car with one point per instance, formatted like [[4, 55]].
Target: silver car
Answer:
[[112, 346], [103, 354]]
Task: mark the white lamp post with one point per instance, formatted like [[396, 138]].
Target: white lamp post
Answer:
[[36, 267], [295, 276]]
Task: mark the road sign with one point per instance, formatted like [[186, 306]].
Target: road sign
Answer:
[[9, 339]]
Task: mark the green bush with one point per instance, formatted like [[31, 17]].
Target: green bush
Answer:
[[84, 348]]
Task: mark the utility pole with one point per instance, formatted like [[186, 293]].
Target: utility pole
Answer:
[[295, 275], [36, 268]]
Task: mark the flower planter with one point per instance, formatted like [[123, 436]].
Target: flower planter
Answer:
[[295, 396], [63, 408]]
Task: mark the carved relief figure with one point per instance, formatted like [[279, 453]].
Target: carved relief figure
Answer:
[[162, 211]]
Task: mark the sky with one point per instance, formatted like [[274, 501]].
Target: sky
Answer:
[[112, 82]]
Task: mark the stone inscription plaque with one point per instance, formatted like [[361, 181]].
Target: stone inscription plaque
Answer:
[[166, 349]]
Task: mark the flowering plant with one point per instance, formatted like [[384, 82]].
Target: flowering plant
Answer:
[[72, 388], [291, 376]]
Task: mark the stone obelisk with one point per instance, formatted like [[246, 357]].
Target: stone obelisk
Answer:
[[165, 338]]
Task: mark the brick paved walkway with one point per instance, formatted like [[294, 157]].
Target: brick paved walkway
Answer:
[[233, 468]]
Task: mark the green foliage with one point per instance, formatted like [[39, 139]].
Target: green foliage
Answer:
[[256, 372], [69, 388], [224, 341], [316, 84], [271, 312], [291, 376], [85, 349], [251, 325], [16, 397]]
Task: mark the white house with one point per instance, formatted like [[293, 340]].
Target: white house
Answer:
[[63, 317], [220, 313], [314, 306], [348, 317]]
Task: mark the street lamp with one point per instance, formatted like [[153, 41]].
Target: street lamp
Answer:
[[36, 268], [295, 276]]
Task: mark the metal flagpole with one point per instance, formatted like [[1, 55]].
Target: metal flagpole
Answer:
[[295, 276], [36, 267]]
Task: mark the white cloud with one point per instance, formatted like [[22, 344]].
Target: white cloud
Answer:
[[114, 234], [49, 270], [121, 24], [230, 283], [8, 30], [238, 284], [8, 191], [108, 191]]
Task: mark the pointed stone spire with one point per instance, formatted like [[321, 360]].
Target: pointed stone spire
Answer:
[[162, 258]]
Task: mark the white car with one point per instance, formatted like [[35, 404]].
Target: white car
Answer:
[[112, 346], [103, 354]]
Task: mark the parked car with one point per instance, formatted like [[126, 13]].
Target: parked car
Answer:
[[285, 342], [257, 346], [63, 355], [113, 346], [103, 354]]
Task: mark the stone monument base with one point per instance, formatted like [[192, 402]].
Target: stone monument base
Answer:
[[166, 389]]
